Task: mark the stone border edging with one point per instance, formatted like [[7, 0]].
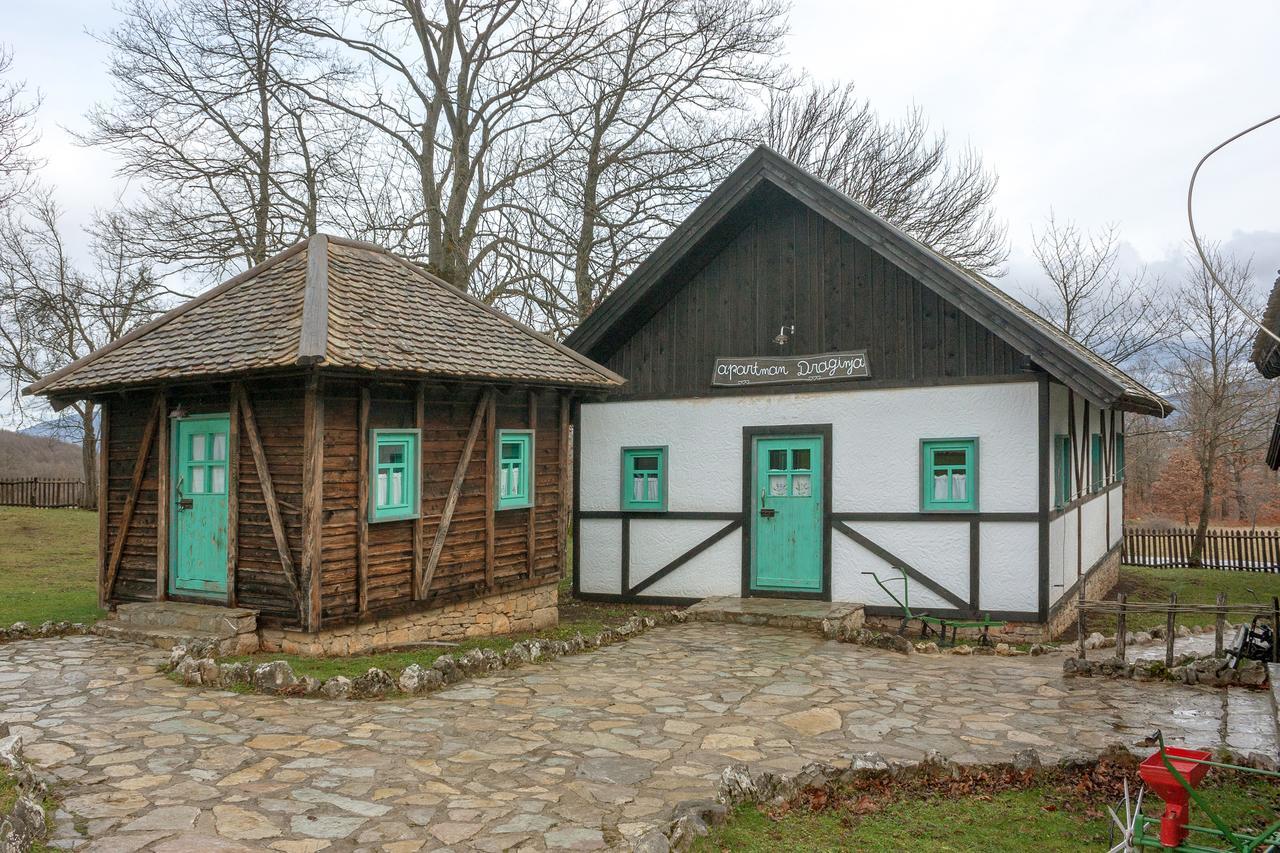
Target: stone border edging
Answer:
[[693, 819], [24, 631], [904, 644], [1098, 640], [278, 678], [25, 823], [1188, 669]]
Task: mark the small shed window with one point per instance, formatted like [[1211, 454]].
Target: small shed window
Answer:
[[644, 479], [1095, 463], [1061, 470], [394, 468], [515, 468], [1119, 453], [949, 472]]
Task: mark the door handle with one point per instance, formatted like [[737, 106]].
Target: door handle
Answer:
[[184, 503], [765, 512]]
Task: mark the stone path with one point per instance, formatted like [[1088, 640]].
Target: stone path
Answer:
[[582, 753]]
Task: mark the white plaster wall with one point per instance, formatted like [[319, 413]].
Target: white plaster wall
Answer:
[[1009, 559], [875, 458], [875, 443], [1117, 515], [600, 553], [1095, 531], [1062, 554]]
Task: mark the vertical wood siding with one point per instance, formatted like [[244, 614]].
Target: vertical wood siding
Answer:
[[790, 265]]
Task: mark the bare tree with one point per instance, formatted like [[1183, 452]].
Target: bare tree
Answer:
[[232, 161], [53, 312], [1118, 315], [900, 171], [458, 93], [651, 120], [17, 132], [1221, 400]]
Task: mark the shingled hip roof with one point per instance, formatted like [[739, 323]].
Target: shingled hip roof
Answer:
[[1048, 346], [337, 303]]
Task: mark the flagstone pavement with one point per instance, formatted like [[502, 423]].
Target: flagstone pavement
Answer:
[[586, 752]]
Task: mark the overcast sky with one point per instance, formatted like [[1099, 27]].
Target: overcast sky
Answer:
[[1097, 110]]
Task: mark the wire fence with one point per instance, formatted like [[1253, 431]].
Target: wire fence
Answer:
[[1232, 550], [42, 492]]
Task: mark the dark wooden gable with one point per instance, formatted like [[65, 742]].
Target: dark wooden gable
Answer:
[[782, 264]]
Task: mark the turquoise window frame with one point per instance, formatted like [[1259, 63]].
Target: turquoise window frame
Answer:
[[627, 498], [1061, 470], [381, 508], [928, 466], [1096, 474], [1118, 450], [521, 440]]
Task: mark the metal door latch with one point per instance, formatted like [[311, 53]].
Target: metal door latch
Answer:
[[768, 513]]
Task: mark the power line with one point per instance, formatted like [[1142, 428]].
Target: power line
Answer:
[[1195, 239]]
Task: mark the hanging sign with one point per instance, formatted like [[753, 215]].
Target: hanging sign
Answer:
[[770, 370]]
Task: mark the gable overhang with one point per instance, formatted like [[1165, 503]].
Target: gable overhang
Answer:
[[726, 211]]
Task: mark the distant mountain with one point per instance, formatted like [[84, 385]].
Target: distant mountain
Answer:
[[23, 456], [64, 427]]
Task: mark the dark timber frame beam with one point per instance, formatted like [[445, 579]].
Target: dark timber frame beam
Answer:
[[162, 498], [911, 571], [268, 493], [135, 488], [480, 417], [680, 560], [312, 498], [362, 501]]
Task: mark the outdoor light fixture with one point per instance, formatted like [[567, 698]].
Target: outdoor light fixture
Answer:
[[782, 338], [179, 412]]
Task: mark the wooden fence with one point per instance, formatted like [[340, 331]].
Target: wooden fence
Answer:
[[39, 492], [1122, 608], [1236, 550]]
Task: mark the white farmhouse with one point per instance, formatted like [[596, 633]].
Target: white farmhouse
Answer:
[[812, 395]]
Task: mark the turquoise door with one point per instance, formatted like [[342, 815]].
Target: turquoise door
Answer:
[[786, 530], [198, 513]]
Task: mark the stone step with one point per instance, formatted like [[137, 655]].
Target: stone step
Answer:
[[167, 638], [799, 614], [188, 619]]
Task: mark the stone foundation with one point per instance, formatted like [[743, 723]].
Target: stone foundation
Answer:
[[501, 613], [1100, 580]]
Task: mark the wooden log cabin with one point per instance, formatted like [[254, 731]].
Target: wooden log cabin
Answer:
[[344, 444]]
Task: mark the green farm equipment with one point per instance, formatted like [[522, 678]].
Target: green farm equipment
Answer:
[[934, 624]]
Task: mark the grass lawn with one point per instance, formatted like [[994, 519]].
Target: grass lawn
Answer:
[[48, 565], [1046, 818], [575, 616], [1193, 586]]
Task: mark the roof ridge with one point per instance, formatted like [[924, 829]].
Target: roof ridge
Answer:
[[163, 319], [457, 291]]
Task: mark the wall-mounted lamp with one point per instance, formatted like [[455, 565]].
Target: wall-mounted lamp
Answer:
[[179, 412], [783, 335]]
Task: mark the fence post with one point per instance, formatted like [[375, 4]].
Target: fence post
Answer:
[[1219, 624], [1169, 631], [1080, 627], [1121, 627], [1275, 628]]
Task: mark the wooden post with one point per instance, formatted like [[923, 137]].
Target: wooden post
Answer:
[[1121, 626], [1080, 626], [233, 498], [490, 462], [531, 539], [312, 498], [104, 498], [162, 499], [419, 523], [362, 501], [1220, 624], [562, 519], [1169, 630]]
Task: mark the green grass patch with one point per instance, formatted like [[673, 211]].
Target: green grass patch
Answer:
[[1047, 817], [48, 565], [1193, 586], [575, 617]]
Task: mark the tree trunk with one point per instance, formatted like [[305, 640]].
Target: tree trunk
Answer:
[[89, 456], [1202, 526]]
